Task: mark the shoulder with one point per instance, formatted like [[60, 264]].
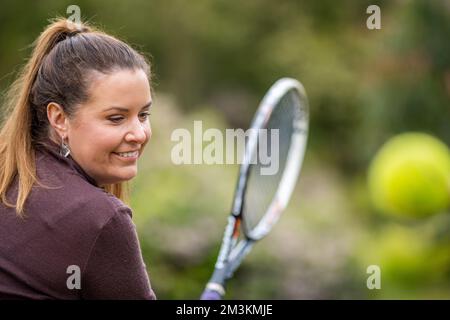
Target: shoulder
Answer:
[[65, 195]]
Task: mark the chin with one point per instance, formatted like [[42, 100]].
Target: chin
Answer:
[[126, 176]]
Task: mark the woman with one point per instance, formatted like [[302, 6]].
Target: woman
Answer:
[[77, 123]]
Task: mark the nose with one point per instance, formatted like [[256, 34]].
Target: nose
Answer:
[[139, 132]]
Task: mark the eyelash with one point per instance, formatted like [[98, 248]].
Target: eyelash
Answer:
[[118, 119]]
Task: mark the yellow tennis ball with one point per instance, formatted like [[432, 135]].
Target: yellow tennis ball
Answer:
[[410, 176]]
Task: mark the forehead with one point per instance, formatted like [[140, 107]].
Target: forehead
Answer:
[[122, 88]]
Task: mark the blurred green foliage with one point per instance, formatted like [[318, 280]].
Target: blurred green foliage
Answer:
[[212, 61]]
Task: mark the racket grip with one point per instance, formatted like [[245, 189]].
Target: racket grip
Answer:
[[209, 294]]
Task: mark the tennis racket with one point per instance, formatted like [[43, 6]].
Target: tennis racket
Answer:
[[261, 196]]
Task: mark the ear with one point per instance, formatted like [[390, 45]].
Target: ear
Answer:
[[58, 120]]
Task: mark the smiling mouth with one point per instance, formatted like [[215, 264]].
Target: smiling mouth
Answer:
[[130, 154]]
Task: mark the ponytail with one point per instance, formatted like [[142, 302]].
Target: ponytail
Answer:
[[26, 124]]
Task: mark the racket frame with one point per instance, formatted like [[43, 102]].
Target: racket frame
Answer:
[[231, 252]]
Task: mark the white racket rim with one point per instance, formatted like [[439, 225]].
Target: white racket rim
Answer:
[[294, 158]]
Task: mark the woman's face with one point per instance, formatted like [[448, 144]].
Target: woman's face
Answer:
[[109, 132]]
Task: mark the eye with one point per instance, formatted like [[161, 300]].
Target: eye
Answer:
[[144, 115], [115, 119]]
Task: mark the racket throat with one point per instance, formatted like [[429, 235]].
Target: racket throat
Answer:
[[217, 281]]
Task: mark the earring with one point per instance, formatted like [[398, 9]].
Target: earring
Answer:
[[64, 150]]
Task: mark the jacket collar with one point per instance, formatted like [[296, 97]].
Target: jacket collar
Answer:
[[52, 148]]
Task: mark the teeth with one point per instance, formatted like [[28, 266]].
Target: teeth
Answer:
[[128, 154]]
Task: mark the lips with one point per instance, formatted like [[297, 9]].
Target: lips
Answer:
[[128, 154]]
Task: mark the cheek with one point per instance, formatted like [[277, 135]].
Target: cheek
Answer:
[[96, 142], [148, 132]]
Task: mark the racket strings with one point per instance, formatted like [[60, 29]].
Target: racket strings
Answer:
[[262, 187]]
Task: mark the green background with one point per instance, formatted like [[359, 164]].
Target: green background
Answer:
[[213, 60]]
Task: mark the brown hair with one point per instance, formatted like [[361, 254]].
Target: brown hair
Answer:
[[63, 58]]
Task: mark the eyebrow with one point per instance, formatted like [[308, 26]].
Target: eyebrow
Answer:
[[148, 105]]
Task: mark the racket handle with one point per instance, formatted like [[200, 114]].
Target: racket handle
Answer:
[[209, 294], [213, 291]]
